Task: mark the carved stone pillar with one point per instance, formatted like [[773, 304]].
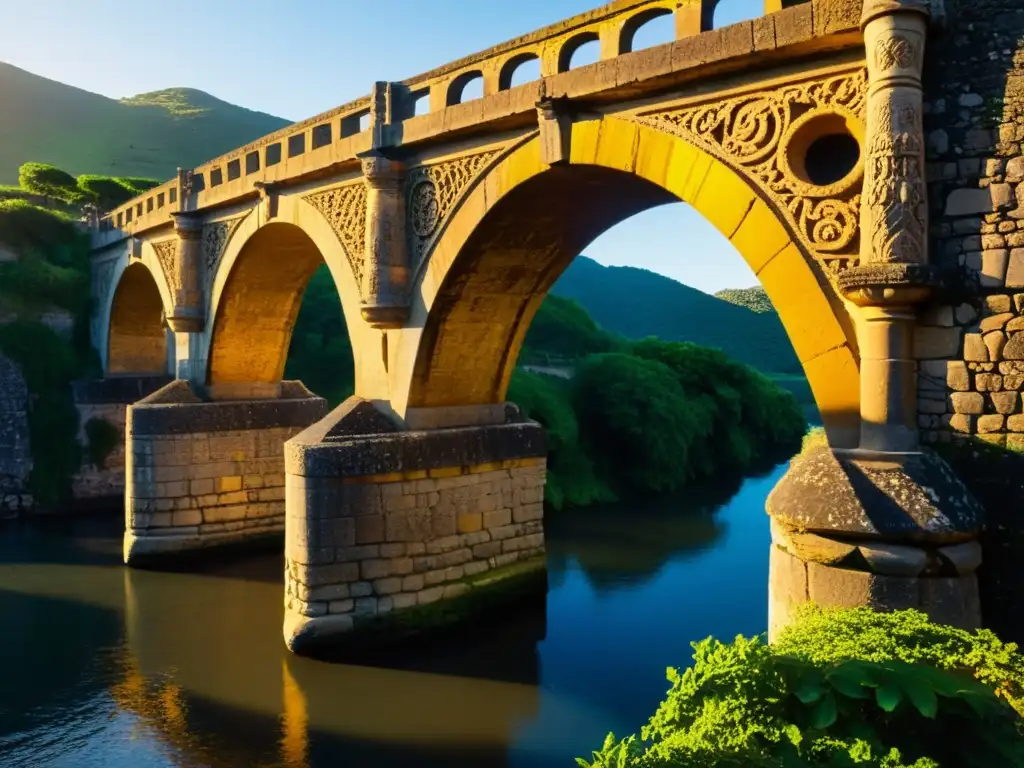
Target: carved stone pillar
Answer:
[[894, 275], [386, 273], [188, 313], [886, 525]]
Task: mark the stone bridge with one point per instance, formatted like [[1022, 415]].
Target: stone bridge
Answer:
[[799, 135]]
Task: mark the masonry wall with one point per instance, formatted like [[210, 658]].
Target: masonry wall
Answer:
[[203, 474], [108, 400], [400, 540], [15, 452], [970, 346], [972, 357]]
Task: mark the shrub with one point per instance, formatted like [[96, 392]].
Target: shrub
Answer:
[[828, 696], [108, 192], [50, 181]]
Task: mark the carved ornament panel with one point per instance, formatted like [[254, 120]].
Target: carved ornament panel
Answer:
[[344, 208], [432, 192], [166, 252], [216, 237], [754, 134]]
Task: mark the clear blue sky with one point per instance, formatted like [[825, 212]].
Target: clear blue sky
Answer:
[[300, 57]]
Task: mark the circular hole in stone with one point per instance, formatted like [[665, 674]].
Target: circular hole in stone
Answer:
[[823, 150], [830, 158]]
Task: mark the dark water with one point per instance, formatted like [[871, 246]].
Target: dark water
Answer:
[[105, 666]]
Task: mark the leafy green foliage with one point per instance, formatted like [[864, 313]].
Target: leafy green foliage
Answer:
[[27, 226], [755, 299], [108, 192], [907, 636], [50, 181], [802, 703], [103, 437], [320, 354], [572, 479]]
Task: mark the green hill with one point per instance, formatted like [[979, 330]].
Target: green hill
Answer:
[[149, 135], [755, 299], [637, 303]]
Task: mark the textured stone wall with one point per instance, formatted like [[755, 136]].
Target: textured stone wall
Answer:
[[107, 399], [969, 342], [392, 531], [15, 455], [202, 474], [404, 539]]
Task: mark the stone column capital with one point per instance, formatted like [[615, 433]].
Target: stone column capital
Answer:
[[381, 172], [187, 226], [876, 8]]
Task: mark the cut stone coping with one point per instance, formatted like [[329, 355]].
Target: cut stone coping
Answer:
[[314, 452], [905, 498], [176, 410]]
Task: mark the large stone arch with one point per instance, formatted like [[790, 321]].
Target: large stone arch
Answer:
[[137, 336], [256, 290], [525, 220], [143, 300]]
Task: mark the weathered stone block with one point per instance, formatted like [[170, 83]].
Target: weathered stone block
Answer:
[[968, 402]]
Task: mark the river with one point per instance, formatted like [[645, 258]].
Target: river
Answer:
[[107, 666]]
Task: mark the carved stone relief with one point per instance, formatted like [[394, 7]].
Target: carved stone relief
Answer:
[[432, 192], [896, 186], [165, 254], [751, 132], [216, 237], [345, 210]]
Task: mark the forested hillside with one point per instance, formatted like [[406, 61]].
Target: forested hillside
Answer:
[[148, 135], [636, 303]]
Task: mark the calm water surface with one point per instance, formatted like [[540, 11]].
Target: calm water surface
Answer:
[[105, 666]]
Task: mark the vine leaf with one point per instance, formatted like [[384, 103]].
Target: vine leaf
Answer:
[[888, 696]]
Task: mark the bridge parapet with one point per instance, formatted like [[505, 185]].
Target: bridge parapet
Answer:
[[333, 141]]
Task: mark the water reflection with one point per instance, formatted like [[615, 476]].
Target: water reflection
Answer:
[[108, 666]]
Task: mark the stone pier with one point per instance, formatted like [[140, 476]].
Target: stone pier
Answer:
[[887, 524], [391, 531], [203, 474]]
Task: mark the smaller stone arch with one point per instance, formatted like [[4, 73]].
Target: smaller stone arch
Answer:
[[137, 336], [457, 87], [572, 45], [633, 25], [508, 69], [256, 292]]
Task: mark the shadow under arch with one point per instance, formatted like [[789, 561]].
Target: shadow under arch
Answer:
[[255, 308], [525, 221], [137, 335]]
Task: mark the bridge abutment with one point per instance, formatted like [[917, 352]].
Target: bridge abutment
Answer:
[[203, 474], [391, 532]]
